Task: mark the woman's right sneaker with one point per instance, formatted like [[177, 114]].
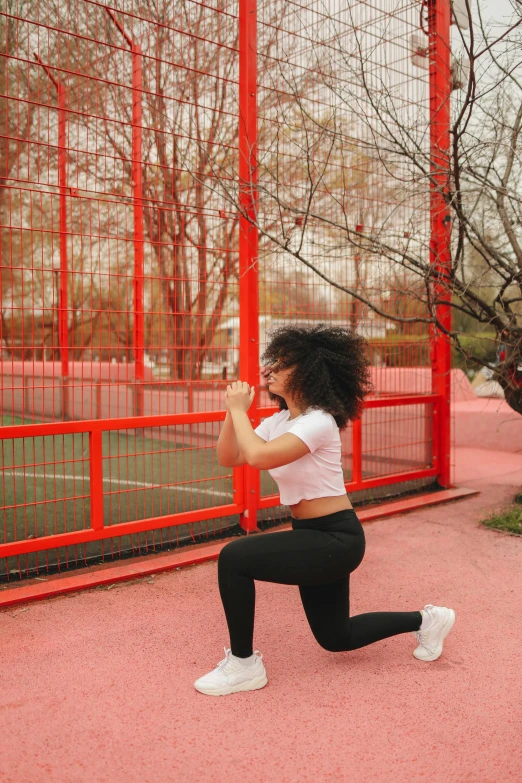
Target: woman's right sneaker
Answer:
[[432, 638], [232, 676]]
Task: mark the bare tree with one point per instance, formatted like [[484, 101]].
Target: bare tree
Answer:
[[16, 119], [344, 170], [354, 119], [190, 120]]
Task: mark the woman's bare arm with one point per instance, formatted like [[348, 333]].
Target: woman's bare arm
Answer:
[[260, 454], [228, 452]]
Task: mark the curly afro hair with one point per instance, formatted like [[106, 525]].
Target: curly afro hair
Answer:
[[331, 368]]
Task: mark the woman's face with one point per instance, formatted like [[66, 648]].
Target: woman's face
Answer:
[[276, 379]]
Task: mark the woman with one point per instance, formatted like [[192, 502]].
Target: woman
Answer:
[[319, 376]]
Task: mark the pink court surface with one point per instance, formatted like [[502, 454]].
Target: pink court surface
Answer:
[[97, 686]]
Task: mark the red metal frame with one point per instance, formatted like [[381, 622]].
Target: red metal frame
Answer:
[[242, 503], [357, 451], [63, 287], [137, 196], [439, 17], [248, 235], [99, 390]]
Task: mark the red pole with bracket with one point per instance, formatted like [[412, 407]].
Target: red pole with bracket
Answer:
[[137, 196], [63, 286], [248, 237], [137, 184], [440, 251], [63, 296]]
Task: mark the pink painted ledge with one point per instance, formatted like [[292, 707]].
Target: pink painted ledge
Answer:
[[138, 568]]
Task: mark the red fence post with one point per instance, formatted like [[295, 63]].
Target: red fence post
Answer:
[[63, 287], [440, 252], [357, 451], [248, 236], [137, 196], [139, 330], [98, 408], [63, 328], [63, 296], [96, 478]]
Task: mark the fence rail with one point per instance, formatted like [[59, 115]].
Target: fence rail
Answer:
[[95, 428]]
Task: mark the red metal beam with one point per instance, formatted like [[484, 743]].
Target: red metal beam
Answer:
[[395, 478], [96, 476], [137, 187], [173, 419], [119, 26], [95, 428], [108, 425], [384, 401], [137, 196], [403, 399], [248, 235], [440, 253], [63, 296], [356, 451], [113, 531], [63, 287]]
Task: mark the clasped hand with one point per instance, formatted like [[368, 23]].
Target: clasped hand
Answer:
[[239, 396]]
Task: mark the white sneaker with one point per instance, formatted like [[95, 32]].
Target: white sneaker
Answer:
[[231, 676], [431, 640]]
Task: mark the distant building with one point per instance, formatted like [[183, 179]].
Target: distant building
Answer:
[[223, 356]]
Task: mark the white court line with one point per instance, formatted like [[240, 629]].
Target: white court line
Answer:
[[116, 481]]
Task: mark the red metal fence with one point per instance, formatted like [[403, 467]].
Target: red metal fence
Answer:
[[147, 156]]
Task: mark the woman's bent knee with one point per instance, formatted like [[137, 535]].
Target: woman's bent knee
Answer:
[[231, 553], [333, 642]]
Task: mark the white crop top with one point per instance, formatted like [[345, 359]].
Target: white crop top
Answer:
[[318, 474]]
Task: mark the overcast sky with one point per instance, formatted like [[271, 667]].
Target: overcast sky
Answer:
[[497, 15], [499, 10]]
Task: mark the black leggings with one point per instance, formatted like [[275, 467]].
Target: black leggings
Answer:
[[319, 556]]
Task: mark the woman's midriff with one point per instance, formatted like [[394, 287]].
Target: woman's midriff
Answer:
[[319, 507]]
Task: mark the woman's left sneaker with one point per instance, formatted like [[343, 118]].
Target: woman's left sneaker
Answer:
[[432, 638], [232, 676]]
